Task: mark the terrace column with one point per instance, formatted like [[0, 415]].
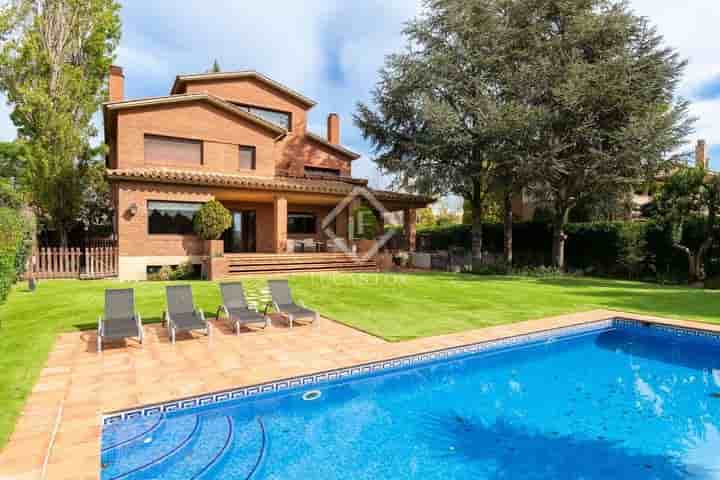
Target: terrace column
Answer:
[[280, 224], [410, 221]]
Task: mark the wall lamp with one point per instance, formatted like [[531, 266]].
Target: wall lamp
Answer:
[[132, 209]]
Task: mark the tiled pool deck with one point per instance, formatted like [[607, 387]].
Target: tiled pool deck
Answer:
[[78, 385]]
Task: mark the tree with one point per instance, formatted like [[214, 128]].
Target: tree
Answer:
[[211, 220], [690, 192], [442, 114], [215, 67], [54, 62], [603, 88], [96, 210]]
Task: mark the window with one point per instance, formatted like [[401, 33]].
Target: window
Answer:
[[168, 151], [171, 217], [301, 223], [282, 119], [322, 172], [247, 158]]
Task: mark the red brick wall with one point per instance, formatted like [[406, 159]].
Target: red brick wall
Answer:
[[133, 237], [222, 132]]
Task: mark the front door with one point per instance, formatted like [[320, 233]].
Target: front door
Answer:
[[240, 237]]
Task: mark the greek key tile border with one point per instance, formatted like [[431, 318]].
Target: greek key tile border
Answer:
[[392, 364], [675, 331]]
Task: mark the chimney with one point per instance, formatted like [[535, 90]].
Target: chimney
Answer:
[[701, 154], [333, 129], [116, 87]]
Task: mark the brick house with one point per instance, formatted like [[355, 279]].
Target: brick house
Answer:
[[240, 138]]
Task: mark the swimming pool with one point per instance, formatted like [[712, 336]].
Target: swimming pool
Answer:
[[613, 400]]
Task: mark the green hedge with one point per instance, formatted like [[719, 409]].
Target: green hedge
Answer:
[[14, 246], [624, 249]]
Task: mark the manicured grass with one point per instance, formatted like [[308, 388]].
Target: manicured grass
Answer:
[[395, 307]]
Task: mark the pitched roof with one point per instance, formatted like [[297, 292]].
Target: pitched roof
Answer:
[[181, 79], [338, 148], [231, 180], [194, 97]]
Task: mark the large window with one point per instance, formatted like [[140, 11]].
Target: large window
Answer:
[[282, 119], [301, 223], [322, 172], [171, 217], [247, 158], [169, 151]]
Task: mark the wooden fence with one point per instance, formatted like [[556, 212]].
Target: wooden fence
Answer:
[[97, 262]]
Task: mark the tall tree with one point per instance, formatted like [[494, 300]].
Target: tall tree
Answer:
[[691, 192], [54, 61], [442, 114], [603, 86], [215, 67]]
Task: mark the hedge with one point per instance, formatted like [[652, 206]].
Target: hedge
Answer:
[[626, 249], [14, 247]]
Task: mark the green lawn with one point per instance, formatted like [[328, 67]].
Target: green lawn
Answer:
[[396, 307]]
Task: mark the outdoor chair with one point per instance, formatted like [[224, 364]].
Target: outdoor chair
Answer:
[[283, 302], [120, 319], [181, 314], [236, 309]]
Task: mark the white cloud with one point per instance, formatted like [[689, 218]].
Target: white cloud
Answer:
[[8, 131]]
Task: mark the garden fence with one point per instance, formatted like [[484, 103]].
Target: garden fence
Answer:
[[59, 262]]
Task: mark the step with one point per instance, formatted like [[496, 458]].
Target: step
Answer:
[[264, 273], [121, 433], [128, 460], [246, 452], [211, 442], [260, 268]]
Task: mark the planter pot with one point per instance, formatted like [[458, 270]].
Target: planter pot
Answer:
[[214, 248]]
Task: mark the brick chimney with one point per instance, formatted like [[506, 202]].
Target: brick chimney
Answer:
[[116, 87], [333, 129], [701, 154]]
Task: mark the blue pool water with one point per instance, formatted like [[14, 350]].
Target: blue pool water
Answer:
[[627, 402]]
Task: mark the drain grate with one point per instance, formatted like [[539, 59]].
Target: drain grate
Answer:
[[311, 395]]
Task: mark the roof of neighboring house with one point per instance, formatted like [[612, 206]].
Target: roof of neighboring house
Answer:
[[182, 79], [338, 148], [194, 97], [229, 180]]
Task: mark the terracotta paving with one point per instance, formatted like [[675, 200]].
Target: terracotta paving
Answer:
[[78, 385]]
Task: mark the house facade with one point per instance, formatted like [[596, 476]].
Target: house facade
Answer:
[[240, 138]]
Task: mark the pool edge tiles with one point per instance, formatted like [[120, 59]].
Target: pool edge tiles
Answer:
[[246, 392], [250, 391]]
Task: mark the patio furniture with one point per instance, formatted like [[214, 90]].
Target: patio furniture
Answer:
[[285, 305], [120, 319], [236, 309], [181, 314]]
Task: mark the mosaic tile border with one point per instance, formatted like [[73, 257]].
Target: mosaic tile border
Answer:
[[674, 330], [353, 371], [395, 363]]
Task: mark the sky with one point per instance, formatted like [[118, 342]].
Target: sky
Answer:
[[331, 52]]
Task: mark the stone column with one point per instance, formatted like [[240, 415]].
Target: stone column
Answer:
[[280, 224], [410, 221]]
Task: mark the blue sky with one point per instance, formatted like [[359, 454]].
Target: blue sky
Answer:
[[331, 51]]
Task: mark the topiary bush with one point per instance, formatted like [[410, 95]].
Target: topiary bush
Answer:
[[212, 220]]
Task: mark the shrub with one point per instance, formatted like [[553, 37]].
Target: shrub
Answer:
[[212, 220], [13, 248]]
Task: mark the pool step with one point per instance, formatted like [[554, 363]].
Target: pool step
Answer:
[[185, 448], [123, 433], [246, 452], [197, 457], [130, 460]]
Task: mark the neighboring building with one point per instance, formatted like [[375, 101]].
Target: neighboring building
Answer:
[[240, 138]]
